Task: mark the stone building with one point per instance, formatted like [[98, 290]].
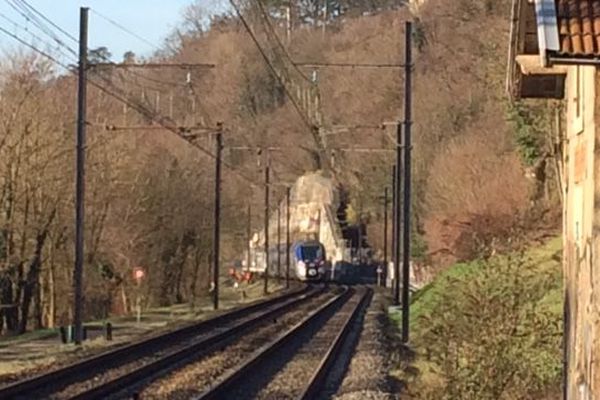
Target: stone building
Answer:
[[555, 53]]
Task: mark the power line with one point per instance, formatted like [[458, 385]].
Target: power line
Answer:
[[126, 30], [64, 32], [32, 47], [46, 30], [270, 64], [267, 20], [30, 17], [27, 14], [139, 108], [186, 66], [348, 65], [33, 35]]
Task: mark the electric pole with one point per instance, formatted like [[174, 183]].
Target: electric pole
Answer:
[[248, 237], [396, 224], [279, 242], [385, 233], [217, 216], [80, 177], [267, 183], [407, 185], [287, 237]]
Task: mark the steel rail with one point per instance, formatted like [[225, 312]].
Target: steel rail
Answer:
[[228, 382], [129, 382], [317, 381], [87, 368]]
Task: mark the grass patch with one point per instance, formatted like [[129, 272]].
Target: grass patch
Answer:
[[490, 329]]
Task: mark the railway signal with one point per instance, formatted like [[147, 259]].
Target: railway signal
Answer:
[[138, 274]]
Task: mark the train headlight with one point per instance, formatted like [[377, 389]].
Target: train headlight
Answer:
[[301, 267]]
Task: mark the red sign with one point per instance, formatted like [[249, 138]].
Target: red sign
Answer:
[[138, 273]]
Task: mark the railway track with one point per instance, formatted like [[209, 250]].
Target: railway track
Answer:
[[109, 373], [297, 363]]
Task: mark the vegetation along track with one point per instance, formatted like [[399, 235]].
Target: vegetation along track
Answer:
[[295, 364], [100, 376]]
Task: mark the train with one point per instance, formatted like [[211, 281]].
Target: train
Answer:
[[310, 260]]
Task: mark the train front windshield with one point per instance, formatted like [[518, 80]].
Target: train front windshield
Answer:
[[310, 253]]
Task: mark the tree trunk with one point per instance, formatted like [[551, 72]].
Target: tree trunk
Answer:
[[30, 285], [194, 283], [8, 302], [124, 298], [51, 315], [31, 282], [38, 299]]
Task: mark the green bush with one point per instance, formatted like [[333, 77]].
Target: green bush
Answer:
[[531, 125], [491, 330]]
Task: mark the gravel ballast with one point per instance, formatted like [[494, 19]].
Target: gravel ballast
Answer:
[[194, 378], [367, 376]]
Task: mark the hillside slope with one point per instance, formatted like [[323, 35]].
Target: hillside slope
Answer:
[[464, 130]]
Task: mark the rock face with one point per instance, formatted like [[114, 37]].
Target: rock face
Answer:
[[415, 5], [314, 201]]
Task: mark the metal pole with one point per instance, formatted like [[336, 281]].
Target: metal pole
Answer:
[[287, 237], [407, 186], [394, 232], [248, 237], [279, 242], [267, 178], [397, 220], [385, 232], [217, 218], [360, 240], [80, 177]]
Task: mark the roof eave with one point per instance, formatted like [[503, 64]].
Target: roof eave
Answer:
[[573, 59], [547, 24]]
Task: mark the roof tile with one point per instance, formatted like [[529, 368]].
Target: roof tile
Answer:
[[579, 27]]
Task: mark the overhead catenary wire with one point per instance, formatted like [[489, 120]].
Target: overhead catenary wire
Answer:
[[270, 65], [35, 36], [196, 65], [124, 29], [27, 10], [347, 65], [139, 108], [32, 47], [26, 13], [270, 27], [64, 32], [110, 63]]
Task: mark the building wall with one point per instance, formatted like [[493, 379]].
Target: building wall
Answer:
[[582, 294]]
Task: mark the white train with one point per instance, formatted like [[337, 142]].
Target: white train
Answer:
[[310, 260]]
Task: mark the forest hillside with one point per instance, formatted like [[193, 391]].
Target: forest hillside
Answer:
[[482, 165]]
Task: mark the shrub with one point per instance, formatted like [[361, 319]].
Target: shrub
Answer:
[[494, 333]]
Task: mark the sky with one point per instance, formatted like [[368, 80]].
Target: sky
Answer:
[[151, 19]]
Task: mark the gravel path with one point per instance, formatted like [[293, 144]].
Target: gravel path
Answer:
[[367, 377], [195, 378]]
